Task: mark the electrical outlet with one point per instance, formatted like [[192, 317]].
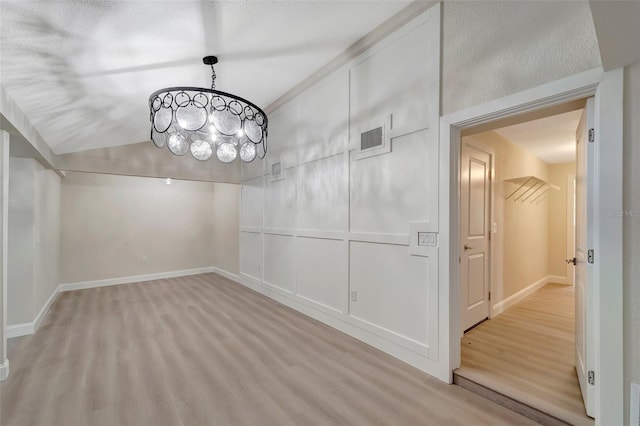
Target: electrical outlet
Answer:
[[144, 259], [354, 295]]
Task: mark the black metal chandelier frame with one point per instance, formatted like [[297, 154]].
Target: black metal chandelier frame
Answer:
[[187, 118]]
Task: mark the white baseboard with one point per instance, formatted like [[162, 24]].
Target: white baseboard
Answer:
[[24, 329], [226, 274], [352, 328], [28, 328], [503, 305], [557, 279], [19, 330], [134, 279], [45, 309], [4, 370]]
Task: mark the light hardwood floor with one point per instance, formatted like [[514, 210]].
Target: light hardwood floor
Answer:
[[527, 353], [203, 350]]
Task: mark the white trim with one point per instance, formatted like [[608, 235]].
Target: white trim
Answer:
[[45, 308], [4, 235], [19, 330], [557, 279], [27, 328], [4, 370], [24, 329], [226, 274], [409, 351], [134, 279], [505, 304], [608, 276], [608, 90]]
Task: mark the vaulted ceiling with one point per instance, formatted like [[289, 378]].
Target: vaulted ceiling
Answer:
[[82, 71]]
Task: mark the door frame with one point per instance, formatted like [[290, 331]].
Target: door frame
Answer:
[[492, 209], [607, 87]]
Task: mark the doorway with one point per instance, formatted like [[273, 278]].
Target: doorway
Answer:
[[517, 221], [607, 88]]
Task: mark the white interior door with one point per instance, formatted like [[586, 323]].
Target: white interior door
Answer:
[[584, 285], [475, 194]]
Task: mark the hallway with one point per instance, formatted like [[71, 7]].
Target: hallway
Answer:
[[527, 354]]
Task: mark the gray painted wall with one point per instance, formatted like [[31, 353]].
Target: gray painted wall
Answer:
[[495, 48]]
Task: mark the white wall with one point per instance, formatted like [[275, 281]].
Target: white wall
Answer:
[[495, 48], [490, 50], [34, 238], [631, 224], [336, 223], [21, 240], [121, 226]]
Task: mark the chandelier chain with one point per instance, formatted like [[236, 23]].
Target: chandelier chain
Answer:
[[213, 78]]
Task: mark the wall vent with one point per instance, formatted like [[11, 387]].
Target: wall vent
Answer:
[[371, 139], [634, 416]]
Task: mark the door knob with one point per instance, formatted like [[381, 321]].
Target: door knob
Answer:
[[571, 261], [466, 247]]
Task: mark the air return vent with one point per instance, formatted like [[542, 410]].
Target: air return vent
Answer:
[[371, 139]]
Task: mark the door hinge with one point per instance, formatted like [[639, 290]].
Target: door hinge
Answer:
[[489, 296], [590, 256], [459, 259], [591, 377], [592, 135]]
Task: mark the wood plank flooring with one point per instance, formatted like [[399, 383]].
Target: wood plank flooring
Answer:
[[527, 353], [203, 350]]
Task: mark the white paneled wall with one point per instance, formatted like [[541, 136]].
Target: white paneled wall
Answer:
[[331, 236]]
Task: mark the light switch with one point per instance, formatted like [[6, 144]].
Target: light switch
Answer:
[[426, 238]]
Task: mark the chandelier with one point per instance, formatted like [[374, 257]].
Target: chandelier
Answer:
[[203, 121]]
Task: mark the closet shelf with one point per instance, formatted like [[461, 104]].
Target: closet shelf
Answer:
[[529, 188]]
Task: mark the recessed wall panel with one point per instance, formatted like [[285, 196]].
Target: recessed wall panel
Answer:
[[252, 199], [475, 275], [390, 190], [251, 254], [280, 261], [323, 195], [477, 197], [322, 272], [280, 201], [392, 288], [283, 135], [396, 80], [325, 114]]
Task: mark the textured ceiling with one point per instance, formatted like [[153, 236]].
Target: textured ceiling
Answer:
[[551, 139], [82, 71]]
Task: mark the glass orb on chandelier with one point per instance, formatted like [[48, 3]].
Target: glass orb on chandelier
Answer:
[[207, 121]]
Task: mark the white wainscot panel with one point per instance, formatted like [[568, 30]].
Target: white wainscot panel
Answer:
[[323, 195], [251, 214], [322, 272], [284, 128], [388, 191], [324, 110], [392, 288], [280, 202], [251, 254], [280, 261], [396, 80]]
